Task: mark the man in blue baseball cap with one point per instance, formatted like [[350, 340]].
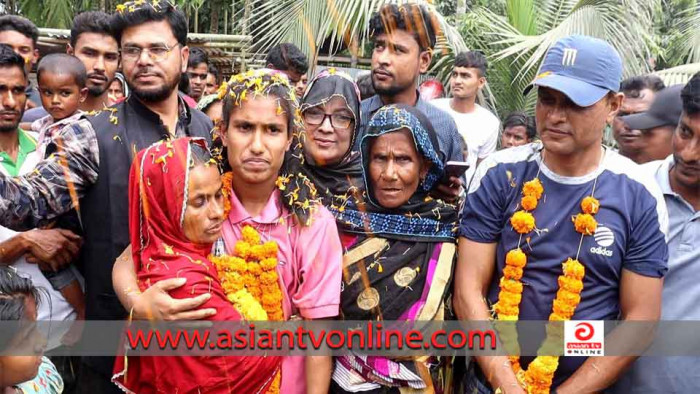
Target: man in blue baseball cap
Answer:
[[529, 210]]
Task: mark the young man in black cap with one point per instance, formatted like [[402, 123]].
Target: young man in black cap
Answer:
[[639, 94], [678, 175], [656, 124]]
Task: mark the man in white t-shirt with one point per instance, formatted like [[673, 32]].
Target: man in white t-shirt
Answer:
[[477, 125]]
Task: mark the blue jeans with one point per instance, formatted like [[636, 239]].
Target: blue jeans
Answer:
[[61, 278], [475, 382]]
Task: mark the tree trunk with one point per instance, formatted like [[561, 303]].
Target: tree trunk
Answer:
[[214, 16], [247, 4], [461, 8]]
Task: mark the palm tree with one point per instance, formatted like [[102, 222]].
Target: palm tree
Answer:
[[50, 13], [344, 24], [686, 45], [517, 42]]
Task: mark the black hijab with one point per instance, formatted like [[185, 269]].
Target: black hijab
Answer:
[[334, 181]]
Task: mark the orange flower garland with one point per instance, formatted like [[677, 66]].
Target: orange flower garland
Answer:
[[250, 279], [540, 373], [226, 189]]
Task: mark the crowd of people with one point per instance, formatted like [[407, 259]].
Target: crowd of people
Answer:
[[283, 195]]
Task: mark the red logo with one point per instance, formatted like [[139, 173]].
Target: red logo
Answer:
[[584, 331]]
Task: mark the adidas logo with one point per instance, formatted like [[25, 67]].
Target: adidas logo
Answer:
[[603, 237], [601, 251]]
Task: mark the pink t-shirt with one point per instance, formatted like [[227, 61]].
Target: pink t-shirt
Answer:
[[310, 264]]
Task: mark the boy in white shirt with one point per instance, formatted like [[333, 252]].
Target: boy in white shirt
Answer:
[[477, 125]]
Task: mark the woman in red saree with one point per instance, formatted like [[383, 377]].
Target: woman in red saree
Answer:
[[175, 214]]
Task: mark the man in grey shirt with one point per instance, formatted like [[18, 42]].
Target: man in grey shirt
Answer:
[[679, 178]]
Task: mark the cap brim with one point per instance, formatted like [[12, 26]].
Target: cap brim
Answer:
[[581, 93], [642, 121]]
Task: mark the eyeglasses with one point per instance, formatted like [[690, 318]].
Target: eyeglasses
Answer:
[[338, 121], [156, 53]]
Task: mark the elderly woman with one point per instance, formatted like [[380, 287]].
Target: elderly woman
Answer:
[[176, 211], [400, 245]]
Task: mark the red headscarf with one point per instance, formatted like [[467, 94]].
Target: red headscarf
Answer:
[[157, 202]]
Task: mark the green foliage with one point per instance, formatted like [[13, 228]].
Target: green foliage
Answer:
[[49, 13], [515, 42], [333, 24], [677, 33]]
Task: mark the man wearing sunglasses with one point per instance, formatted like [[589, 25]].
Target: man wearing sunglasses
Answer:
[[89, 167]]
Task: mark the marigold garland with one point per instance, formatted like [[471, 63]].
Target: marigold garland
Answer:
[[533, 188], [523, 222], [226, 190], [529, 202], [249, 277], [540, 373], [585, 224], [590, 205]]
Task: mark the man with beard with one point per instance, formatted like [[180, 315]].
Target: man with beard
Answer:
[[679, 178], [639, 94], [92, 41], [399, 57], [98, 152]]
